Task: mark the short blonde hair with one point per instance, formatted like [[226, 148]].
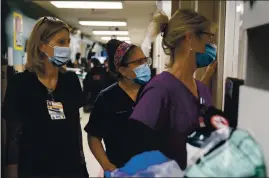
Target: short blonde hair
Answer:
[[42, 32], [174, 30]]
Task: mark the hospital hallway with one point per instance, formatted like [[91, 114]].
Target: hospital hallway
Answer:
[[186, 79]]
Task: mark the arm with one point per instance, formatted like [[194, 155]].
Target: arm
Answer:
[[87, 86], [96, 146], [81, 145], [78, 100], [14, 132], [97, 128], [13, 125], [206, 79], [78, 97], [210, 70]]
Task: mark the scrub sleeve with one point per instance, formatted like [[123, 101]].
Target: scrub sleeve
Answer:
[[14, 122], [97, 125]]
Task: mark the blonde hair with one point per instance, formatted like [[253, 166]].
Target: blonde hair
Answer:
[[173, 30], [42, 32]]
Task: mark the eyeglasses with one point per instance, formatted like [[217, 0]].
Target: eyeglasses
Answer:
[[208, 33], [211, 35], [44, 19], [147, 60], [47, 19]]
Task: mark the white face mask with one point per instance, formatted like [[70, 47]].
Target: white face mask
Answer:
[[92, 65]]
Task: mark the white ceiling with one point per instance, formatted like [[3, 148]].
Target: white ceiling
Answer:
[[136, 13]]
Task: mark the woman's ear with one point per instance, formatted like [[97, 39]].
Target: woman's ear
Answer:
[[189, 36], [189, 40], [42, 47], [126, 72], [122, 71]]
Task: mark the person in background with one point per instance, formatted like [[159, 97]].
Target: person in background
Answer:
[[70, 64], [77, 61], [93, 83], [88, 65], [105, 65], [110, 78], [84, 64], [41, 108], [171, 103]]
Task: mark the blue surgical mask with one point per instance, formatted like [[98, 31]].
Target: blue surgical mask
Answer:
[[204, 59], [60, 57], [143, 74]]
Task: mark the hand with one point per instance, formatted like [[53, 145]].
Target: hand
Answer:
[[210, 70], [12, 171], [109, 167]]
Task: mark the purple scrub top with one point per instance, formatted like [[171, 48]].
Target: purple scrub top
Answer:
[[167, 106]]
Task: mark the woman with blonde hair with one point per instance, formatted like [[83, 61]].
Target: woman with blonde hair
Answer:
[[170, 104], [41, 108]]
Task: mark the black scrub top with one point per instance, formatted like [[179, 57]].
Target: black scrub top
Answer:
[[112, 109], [47, 147]]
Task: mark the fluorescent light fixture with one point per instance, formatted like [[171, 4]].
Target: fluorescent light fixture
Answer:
[[95, 32], [124, 41], [121, 38], [103, 23], [87, 4]]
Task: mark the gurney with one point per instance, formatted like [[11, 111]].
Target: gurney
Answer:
[[221, 151], [225, 153]]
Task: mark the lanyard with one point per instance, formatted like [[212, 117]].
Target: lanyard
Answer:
[[202, 106], [50, 92]]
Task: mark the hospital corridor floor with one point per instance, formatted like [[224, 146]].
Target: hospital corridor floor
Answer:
[[93, 166]]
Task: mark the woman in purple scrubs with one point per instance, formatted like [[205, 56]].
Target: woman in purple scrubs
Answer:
[[171, 103]]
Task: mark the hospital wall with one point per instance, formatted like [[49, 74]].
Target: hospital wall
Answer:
[[17, 56]]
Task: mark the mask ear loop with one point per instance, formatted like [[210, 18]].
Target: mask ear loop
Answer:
[[46, 53], [132, 71]]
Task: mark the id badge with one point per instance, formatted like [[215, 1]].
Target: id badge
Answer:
[[56, 110]]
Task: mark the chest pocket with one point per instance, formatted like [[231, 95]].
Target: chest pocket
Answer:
[[123, 114]]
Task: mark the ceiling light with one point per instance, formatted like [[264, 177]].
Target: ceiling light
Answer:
[[103, 23], [110, 32], [124, 41], [118, 38], [87, 4]]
